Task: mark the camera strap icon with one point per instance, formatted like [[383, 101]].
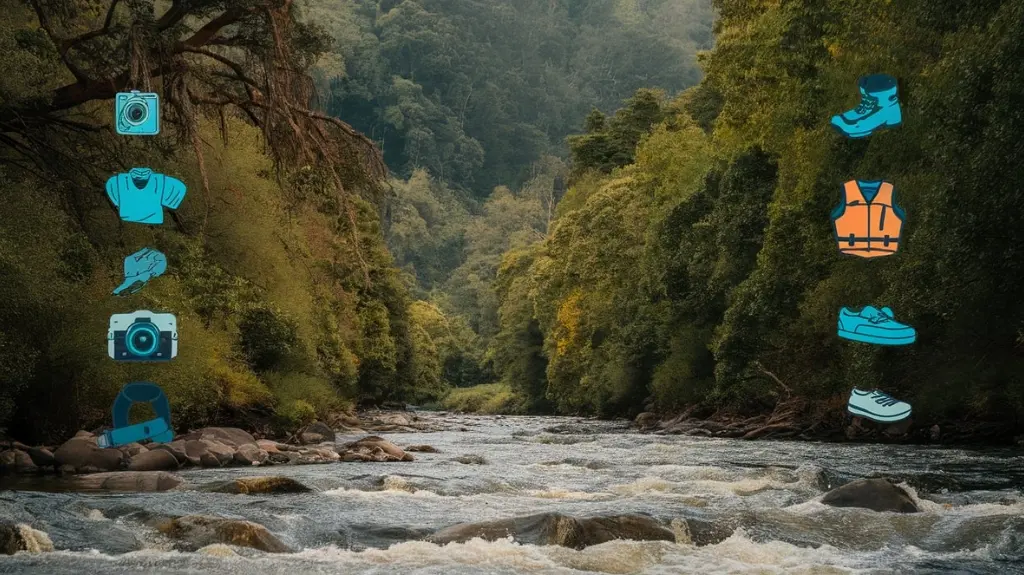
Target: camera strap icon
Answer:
[[141, 195], [142, 336], [137, 113], [157, 430], [139, 268]]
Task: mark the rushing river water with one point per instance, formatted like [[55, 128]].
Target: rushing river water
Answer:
[[367, 517]]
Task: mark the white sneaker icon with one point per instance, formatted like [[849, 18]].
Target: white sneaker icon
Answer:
[[877, 406]]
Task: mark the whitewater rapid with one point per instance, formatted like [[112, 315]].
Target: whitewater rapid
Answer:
[[369, 518]]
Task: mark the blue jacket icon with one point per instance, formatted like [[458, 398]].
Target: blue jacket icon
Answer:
[[141, 195]]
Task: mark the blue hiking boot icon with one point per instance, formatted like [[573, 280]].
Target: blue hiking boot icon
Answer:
[[139, 268], [879, 108]]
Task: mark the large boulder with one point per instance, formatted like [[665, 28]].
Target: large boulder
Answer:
[[197, 531], [230, 436], [874, 494], [559, 529], [316, 432], [155, 460], [82, 453], [257, 486], [16, 537], [373, 448], [140, 481]]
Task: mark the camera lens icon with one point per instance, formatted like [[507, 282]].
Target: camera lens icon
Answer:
[[142, 339], [137, 113]]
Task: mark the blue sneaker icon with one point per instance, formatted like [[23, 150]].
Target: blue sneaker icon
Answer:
[[872, 325], [877, 406], [879, 108], [139, 268]]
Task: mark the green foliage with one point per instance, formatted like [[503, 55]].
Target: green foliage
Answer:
[[297, 413], [286, 295], [290, 388], [427, 223], [491, 398], [611, 143], [266, 338], [475, 92], [707, 271]]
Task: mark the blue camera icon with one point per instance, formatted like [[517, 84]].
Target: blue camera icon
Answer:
[[137, 113], [142, 336]]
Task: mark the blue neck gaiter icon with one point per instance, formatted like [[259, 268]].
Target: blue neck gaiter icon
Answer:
[[157, 430]]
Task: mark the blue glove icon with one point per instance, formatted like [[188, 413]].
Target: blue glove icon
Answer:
[[139, 268]]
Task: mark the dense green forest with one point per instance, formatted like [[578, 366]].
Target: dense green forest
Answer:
[[355, 171], [703, 268], [597, 207]]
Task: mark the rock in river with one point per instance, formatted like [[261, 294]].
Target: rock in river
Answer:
[[373, 448], [128, 481], [156, 460], [874, 494], [316, 432], [83, 452], [16, 537], [17, 461], [422, 449], [230, 436], [196, 531], [559, 529], [257, 485], [250, 455]]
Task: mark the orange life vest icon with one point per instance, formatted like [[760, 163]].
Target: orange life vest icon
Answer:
[[868, 228]]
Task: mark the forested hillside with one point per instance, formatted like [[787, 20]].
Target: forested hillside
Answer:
[[704, 269], [305, 278], [471, 103]]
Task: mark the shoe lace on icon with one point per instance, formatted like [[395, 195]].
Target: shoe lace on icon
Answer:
[[867, 103], [880, 317], [884, 399]]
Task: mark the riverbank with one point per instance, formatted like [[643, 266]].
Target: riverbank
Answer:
[[802, 419], [214, 447]]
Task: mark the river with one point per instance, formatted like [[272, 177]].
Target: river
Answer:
[[365, 518]]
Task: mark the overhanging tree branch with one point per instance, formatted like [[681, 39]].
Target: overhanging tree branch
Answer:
[[72, 42]]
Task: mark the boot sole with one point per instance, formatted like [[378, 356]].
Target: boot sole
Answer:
[[878, 418], [906, 340], [858, 135]]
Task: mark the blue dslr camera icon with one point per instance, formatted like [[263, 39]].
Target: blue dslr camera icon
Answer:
[[137, 113], [142, 336]]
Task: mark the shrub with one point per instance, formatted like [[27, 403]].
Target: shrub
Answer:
[[488, 398], [266, 338], [296, 413]]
